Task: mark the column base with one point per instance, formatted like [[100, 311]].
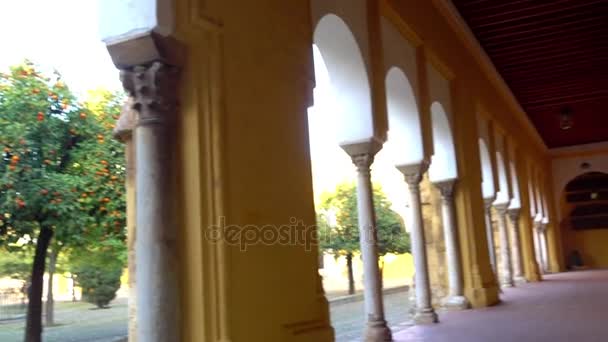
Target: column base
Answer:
[[507, 284], [455, 303], [520, 280], [426, 317], [377, 331]]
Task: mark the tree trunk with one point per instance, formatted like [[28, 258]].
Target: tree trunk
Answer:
[[33, 328], [50, 303], [382, 272], [351, 278], [73, 287]]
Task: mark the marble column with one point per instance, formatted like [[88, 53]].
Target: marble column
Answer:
[[124, 132], [537, 246], [456, 299], [506, 275], [516, 259], [153, 88], [543, 247], [376, 329], [424, 313], [490, 233]]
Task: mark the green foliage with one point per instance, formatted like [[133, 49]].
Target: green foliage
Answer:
[[16, 265], [59, 167], [98, 269], [342, 236]]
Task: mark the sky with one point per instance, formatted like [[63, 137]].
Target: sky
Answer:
[[60, 34], [63, 34]]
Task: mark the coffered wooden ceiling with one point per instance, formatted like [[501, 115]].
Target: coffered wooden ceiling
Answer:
[[553, 54]]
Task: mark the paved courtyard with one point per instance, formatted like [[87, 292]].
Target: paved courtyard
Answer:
[[76, 322], [566, 307], [348, 319]]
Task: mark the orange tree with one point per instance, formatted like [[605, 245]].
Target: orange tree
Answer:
[[338, 226], [61, 174]]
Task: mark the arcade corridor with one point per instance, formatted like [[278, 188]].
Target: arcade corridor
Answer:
[[565, 307]]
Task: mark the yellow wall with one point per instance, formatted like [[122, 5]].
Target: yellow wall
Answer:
[[592, 245], [398, 271], [243, 159]]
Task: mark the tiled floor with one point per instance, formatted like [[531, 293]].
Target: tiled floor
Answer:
[[568, 307]]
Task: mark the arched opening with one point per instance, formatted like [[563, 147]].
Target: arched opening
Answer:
[[487, 176], [503, 193], [443, 163], [339, 53], [404, 135], [516, 199], [342, 115], [584, 208]]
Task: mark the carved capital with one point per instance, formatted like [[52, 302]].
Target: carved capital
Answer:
[[153, 89], [501, 208], [413, 173], [446, 188], [363, 162], [514, 215], [126, 122], [487, 202]]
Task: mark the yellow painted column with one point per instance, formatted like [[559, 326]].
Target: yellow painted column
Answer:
[[243, 168], [526, 224], [480, 284]]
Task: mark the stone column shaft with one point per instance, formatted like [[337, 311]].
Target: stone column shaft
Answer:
[[154, 92], [506, 275], [490, 233], [124, 132], [544, 248], [455, 299], [537, 246], [425, 313], [376, 329], [516, 259]]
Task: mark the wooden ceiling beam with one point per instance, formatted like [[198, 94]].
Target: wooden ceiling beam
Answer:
[[538, 69], [560, 101], [592, 28], [574, 39], [515, 31], [492, 21]]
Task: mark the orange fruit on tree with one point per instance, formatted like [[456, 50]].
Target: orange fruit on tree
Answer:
[[83, 115]]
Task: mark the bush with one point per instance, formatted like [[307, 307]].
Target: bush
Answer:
[[99, 284]]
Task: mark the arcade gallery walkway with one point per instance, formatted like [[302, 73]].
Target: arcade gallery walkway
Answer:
[[565, 307]]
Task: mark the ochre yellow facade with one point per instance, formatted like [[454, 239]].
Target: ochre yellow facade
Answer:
[[242, 160], [244, 157]]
